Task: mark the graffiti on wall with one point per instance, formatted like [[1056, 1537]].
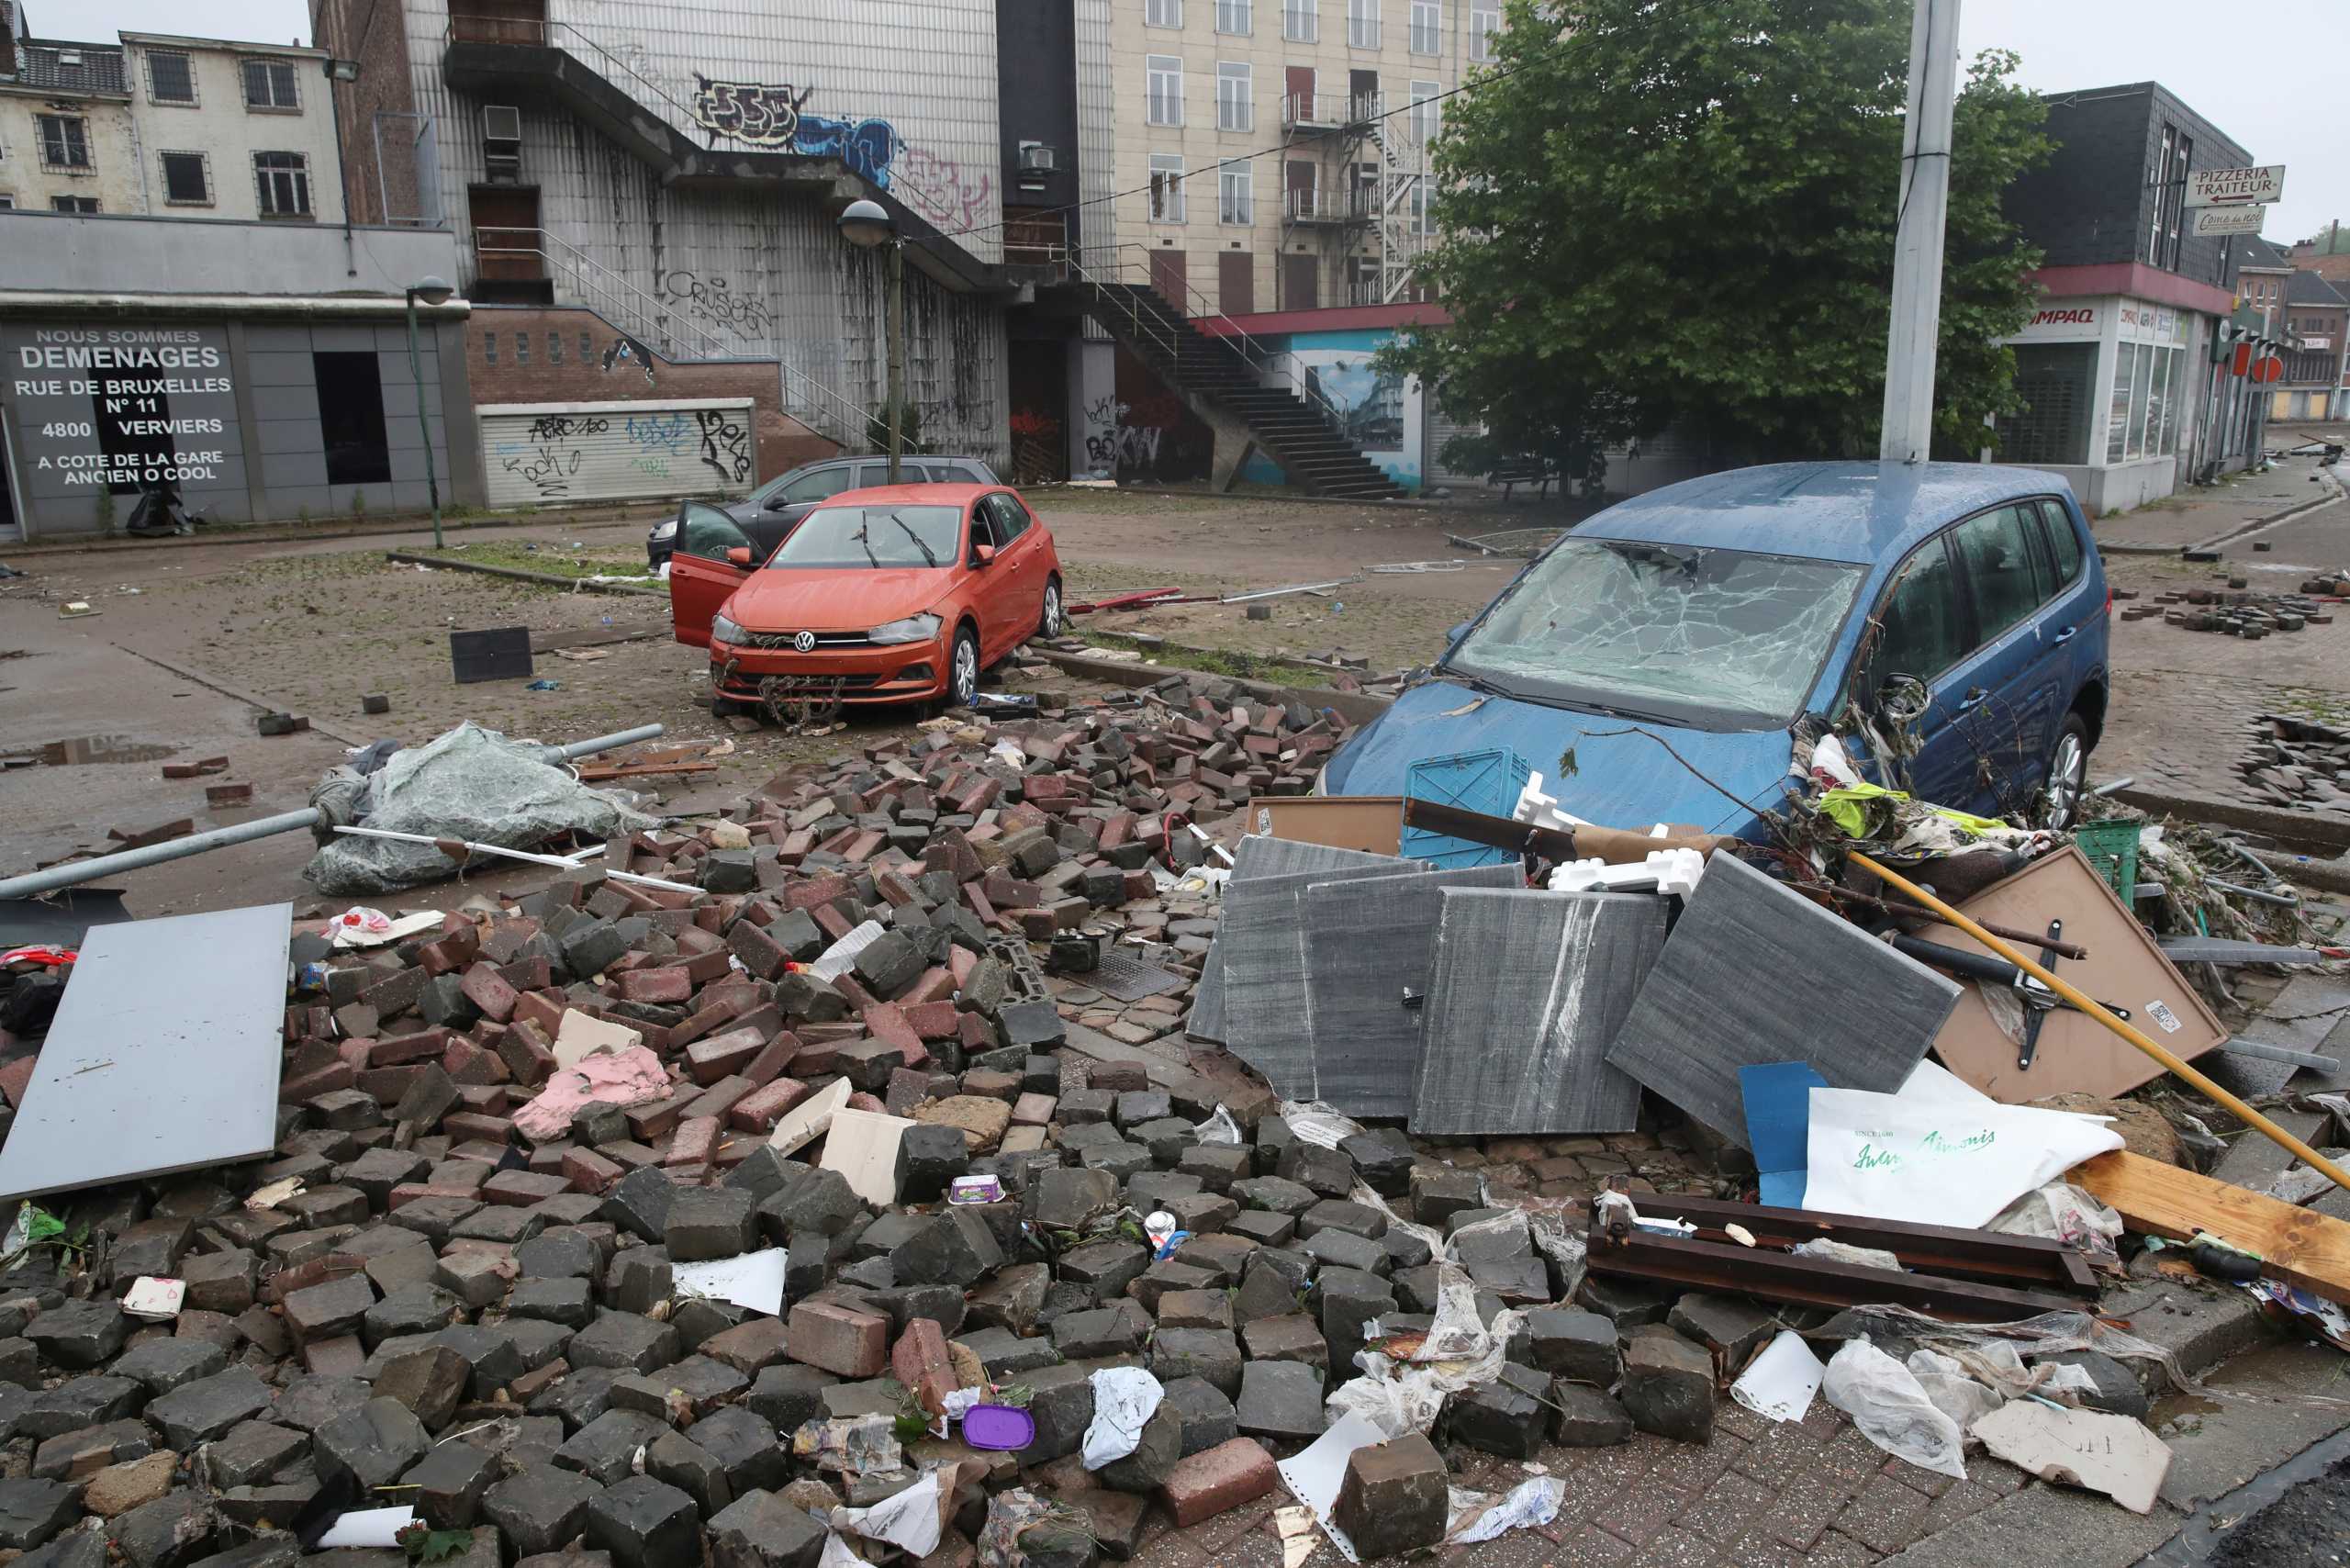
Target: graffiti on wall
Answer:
[[656, 440], [626, 347], [546, 467], [941, 190], [866, 146], [709, 298], [1127, 438], [725, 446], [763, 114]]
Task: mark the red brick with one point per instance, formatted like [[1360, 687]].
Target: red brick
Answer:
[[528, 974], [936, 986], [919, 1362], [387, 1084], [310, 1085], [1036, 925], [758, 1111], [887, 1022], [520, 1189], [588, 1171], [861, 1101], [773, 1058], [1217, 1480], [667, 985], [490, 992], [542, 1009], [450, 954], [811, 892], [696, 1137], [525, 1052], [830, 921], [932, 1020], [18, 1076], [838, 1339], [708, 1060], [464, 1124], [398, 1048], [408, 1192], [467, 1062]]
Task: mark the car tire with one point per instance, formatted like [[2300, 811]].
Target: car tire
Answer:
[[963, 669], [1050, 625], [726, 706], [2067, 781]]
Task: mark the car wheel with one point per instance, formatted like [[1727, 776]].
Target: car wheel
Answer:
[[963, 671], [2068, 777], [1050, 625]]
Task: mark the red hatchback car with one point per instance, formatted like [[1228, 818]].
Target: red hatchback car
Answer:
[[894, 594]]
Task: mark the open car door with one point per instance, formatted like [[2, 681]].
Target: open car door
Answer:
[[701, 577]]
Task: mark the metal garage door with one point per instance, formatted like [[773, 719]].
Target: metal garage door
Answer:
[[563, 453]]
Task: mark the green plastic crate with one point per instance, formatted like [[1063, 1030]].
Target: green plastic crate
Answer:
[[2112, 848]]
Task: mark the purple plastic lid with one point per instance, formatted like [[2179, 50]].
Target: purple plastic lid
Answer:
[[998, 1426]]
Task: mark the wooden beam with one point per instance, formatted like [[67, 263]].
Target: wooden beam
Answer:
[[1931, 1248], [2299, 1245], [1814, 1282]]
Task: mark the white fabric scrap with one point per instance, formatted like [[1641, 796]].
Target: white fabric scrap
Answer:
[[1125, 1399]]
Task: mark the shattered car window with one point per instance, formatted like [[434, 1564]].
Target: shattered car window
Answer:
[[1706, 637]]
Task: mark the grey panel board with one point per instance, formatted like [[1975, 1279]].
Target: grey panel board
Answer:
[[1530, 988], [1263, 938], [1257, 855], [1754, 973], [1128, 978], [1366, 944], [163, 1056]]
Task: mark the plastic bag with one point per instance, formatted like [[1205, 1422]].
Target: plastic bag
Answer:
[[1219, 1129], [2062, 1212], [1954, 1393], [1845, 1252], [1125, 1399], [1560, 1241], [908, 1521], [1473, 1516], [1318, 1124], [1885, 1401]]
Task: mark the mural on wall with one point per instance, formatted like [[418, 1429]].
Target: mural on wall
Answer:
[[626, 347], [941, 190], [1381, 414]]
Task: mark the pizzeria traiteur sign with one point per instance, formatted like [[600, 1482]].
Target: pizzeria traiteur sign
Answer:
[[2235, 188]]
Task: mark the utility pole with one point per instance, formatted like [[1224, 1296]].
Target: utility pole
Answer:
[[1917, 244]]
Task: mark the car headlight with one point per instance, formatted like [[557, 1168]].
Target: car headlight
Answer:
[[724, 631], [912, 629], [666, 529]]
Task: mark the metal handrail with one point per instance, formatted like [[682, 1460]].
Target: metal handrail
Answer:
[[1255, 355], [645, 316], [1350, 204], [1316, 110]]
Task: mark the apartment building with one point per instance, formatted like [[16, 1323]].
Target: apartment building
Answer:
[[227, 129], [67, 140], [1278, 150]]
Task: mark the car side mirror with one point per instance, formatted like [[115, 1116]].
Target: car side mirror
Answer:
[[1456, 634], [740, 556], [982, 553], [777, 503]]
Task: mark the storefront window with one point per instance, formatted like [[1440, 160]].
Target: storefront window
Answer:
[[2056, 382], [2116, 437], [2140, 377]]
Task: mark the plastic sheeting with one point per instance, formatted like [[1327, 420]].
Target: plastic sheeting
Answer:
[[470, 783], [1886, 1402], [1125, 1399]]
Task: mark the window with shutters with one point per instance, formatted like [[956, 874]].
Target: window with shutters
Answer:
[[170, 77], [270, 87], [187, 179], [282, 183]]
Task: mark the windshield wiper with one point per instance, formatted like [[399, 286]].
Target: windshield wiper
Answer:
[[909, 534], [859, 536]]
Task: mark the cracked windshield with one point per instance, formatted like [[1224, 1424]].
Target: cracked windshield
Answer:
[[873, 536], [1713, 638]]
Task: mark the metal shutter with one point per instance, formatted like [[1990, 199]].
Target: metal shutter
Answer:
[[564, 454]]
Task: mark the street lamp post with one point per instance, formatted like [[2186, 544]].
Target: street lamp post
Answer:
[[866, 224], [432, 291]]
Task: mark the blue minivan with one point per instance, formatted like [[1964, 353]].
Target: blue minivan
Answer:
[[1652, 663]]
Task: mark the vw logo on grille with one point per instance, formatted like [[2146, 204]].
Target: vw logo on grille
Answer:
[[805, 642]]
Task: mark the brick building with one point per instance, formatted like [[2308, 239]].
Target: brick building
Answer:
[[2326, 255], [2315, 312]]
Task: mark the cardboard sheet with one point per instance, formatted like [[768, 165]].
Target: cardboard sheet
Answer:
[[863, 1147], [163, 1056], [806, 1122], [2075, 1053], [753, 1280]]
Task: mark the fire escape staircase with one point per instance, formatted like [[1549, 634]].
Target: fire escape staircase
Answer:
[[1223, 379]]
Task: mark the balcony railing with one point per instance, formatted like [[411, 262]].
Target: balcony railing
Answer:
[[1330, 111], [1326, 205]]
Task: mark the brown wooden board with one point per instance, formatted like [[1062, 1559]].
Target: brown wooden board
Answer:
[[2300, 1245], [1932, 1249], [1372, 823], [2075, 1053], [1815, 1281]]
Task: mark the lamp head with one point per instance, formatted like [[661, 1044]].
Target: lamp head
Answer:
[[431, 290], [866, 224]]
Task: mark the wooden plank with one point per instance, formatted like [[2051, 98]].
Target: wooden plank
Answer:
[[2300, 1245], [609, 771], [1932, 1248]]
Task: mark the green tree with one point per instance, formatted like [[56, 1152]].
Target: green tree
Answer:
[[1654, 213]]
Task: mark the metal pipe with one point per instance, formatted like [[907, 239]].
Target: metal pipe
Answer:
[[2266, 1052], [560, 862], [74, 874], [2134, 1035]]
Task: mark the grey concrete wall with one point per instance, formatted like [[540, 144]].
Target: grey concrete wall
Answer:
[[201, 255]]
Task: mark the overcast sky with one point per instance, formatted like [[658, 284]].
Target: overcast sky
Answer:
[[2238, 69]]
